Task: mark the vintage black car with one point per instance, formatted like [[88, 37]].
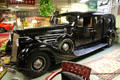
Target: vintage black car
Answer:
[[71, 35]]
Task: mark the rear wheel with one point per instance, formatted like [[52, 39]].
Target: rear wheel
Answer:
[[2, 30], [37, 64]]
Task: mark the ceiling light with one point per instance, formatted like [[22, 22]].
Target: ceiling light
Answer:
[[83, 1]]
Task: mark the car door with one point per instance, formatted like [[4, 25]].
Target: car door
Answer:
[[89, 29], [83, 33], [98, 27]]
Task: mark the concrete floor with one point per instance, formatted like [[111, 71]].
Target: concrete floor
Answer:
[[81, 60]]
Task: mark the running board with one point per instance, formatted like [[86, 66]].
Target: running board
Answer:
[[88, 50]]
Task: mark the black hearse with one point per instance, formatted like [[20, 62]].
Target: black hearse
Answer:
[[71, 35]]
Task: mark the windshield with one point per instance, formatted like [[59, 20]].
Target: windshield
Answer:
[[67, 19]]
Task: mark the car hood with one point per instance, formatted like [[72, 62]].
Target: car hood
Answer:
[[54, 29]]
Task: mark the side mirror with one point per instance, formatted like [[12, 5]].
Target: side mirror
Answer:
[[52, 20]]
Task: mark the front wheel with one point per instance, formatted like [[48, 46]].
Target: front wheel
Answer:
[[37, 64]]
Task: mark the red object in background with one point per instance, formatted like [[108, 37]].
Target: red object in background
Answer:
[[26, 2], [3, 39], [4, 34], [5, 26], [119, 10]]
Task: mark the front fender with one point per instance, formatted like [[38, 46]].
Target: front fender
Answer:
[[24, 53], [65, 36]]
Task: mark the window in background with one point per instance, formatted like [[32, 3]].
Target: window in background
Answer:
[[119, 1]]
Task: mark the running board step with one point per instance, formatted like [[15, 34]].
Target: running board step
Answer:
[[88, 50]]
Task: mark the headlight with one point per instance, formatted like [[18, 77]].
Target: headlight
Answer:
[[23, 40]]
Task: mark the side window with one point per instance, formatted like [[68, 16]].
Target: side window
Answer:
[[98, 26], [80, 22], [99, 20], [88, 21]]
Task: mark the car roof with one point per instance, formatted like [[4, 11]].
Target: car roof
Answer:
[[83, 13]]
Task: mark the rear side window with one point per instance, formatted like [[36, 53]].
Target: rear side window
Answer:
[[109, 21], [113, 20]]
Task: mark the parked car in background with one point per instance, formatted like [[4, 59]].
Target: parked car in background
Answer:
[[71, 35], [6, 24]]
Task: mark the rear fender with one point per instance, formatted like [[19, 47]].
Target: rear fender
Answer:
[[111, 32]]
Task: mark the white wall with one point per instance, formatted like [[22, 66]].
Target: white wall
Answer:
[[69, 5], [104, 8]]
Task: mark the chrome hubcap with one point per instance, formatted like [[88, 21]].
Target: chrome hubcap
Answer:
[[38, 64], [65, 46]]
